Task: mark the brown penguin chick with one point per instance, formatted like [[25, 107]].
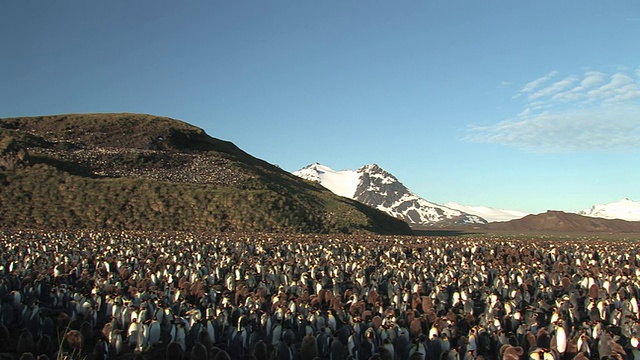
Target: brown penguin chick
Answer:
[[25, 342], [502, 350], [174, 351], [75, 340], [199, 352], [106, 330], [373, 297], [530, 340], [510, 357], [328, 296], [415, 328], [416, 302], [594, 291], [514, 351], [451, 316], [431, 316], [336, 304], [617, 348], [426, 304], [580, 356], [411, 315], [309, 347], [377, 322]]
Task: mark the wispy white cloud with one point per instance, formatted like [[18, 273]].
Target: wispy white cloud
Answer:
[[532, 85], [592, 78], [554, 88], [593, 111], [617, 129]]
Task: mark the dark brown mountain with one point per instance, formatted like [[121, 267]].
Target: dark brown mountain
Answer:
[[565, 222], [144, 172]]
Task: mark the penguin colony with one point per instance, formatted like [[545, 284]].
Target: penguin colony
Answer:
[[91, 295]]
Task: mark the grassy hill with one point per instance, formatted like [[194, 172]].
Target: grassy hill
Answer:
[[143, 172]]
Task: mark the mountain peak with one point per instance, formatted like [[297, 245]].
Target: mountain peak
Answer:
[[372, 167], [374, 186]]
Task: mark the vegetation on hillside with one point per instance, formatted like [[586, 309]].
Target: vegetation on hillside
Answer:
[[161, 174]]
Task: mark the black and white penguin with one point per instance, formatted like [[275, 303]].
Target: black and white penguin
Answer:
[[116, 343], [101, 350], [559, 340]]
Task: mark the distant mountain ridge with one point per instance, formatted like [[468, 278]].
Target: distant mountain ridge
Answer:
[[565, 222], [488, 213], [374, 186], [625, 209]]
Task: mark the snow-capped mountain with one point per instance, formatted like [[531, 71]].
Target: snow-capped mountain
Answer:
[[488, 213], [625, 209], [375, 187]]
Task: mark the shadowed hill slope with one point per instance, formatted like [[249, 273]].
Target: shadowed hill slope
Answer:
[[133, 171]]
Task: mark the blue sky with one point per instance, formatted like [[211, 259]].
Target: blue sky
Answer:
[[527, 105]]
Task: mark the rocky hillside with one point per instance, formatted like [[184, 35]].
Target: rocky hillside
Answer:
[[131, 171]]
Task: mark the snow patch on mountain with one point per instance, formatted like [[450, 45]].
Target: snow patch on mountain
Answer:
[[625, 209], [343, 183], [488, 213]]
